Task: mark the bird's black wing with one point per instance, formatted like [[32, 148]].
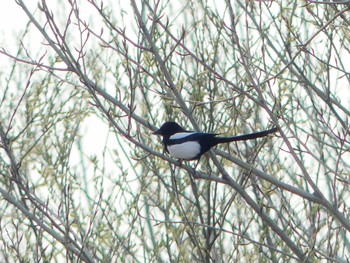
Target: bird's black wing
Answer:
[[196, 136]]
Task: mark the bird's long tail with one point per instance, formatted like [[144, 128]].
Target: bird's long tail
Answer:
[[245, 137]]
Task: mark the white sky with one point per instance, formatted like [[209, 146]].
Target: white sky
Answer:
[[12, 19]]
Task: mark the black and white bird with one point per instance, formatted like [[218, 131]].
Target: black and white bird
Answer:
[[187, 145]]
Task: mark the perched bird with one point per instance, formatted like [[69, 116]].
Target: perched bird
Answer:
[[187, 145]]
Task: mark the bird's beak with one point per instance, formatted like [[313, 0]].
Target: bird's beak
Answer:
[[157, 132]]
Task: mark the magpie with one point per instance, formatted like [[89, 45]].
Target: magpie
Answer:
[[188, 145]]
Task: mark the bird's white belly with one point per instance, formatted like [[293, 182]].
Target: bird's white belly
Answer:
[[185, 151]]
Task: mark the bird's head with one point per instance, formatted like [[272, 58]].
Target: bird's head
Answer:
[[169, 128]]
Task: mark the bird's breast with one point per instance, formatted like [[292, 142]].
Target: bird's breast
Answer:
[[185, 151]]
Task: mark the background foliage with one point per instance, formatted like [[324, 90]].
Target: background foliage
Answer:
[[86, 82]]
